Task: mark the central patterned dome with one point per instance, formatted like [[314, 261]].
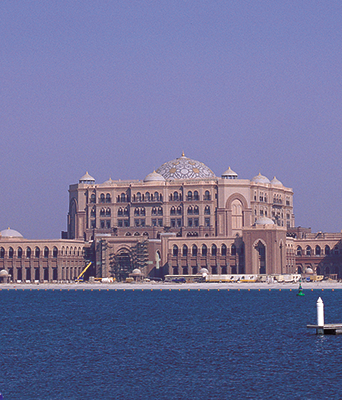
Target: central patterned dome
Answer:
[[185, 168]]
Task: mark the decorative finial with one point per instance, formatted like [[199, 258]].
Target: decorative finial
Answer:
[[183, 155]]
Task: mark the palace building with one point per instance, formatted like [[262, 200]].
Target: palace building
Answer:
[[189, 218], [180, 219]]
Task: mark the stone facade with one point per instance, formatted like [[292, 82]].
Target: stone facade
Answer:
[[40, 260], [190, 218]]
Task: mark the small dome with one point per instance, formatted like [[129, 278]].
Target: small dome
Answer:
[[185, 168], [204, 271], [260, 179], [3, 273], [109, 182], [229, 174], [276, 182], [264, 221], [136, 271], [154, 177], [307, 271], [88, 179], [10, 233]]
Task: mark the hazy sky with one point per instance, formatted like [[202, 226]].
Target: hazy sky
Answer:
[[117, 88]]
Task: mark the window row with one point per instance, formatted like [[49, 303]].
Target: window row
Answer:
[[204, 250], [125, 198], [104, 212], [191, 210], [308, 251], [28, 253], [102, 199], [154, 222], [195, 222], [177, 196]]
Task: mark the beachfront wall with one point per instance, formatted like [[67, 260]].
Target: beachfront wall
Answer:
[[187, 256], [319, 253], [41, 260]]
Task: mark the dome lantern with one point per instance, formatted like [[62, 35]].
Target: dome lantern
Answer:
[[229, 174], [87, 179]]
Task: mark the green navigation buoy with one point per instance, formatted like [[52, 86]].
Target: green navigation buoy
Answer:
[[300, 290]]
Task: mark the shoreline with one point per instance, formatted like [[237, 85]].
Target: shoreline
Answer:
[[171, 286]]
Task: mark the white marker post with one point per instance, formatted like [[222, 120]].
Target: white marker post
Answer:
[[320, 315]]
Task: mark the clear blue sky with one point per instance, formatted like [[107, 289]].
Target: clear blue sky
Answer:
[[117, 88]]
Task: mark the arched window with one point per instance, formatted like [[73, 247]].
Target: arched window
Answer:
[[126, 213], [55, 252], [46, 252], [327, 250], [142, 211], [160, 211], [108, 212], [233, 250], [10, 252], [223, 250], [102, 212], [185, 250], [20, 252], [2, 252], [108, 198], [237, 214], [120, 212], [194, 250], [213, 250], [173, 211], [190, 211], [318, 251], [37, 252], [196, 196], [175, 196], [175, 250], [156, 196], [28, 252], [136, 212], [299, 251], [204, 250], [123, 197], [93, 212], [102, 198], [138, 196], [189, 196], [179, 210], [154, 211], [196, 210], [147, 196], [207, 195], [93, 198], [207, 210], [308, 251]]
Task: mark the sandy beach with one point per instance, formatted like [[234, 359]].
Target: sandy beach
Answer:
[[326, 285]]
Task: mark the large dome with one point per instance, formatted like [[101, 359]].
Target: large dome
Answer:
[[185, 168]]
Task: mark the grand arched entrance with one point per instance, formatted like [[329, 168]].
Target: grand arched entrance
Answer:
[[121, 265], [259, 257]]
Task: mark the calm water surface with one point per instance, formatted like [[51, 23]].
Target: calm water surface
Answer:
[[168, 345]]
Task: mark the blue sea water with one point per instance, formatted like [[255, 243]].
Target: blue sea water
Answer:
[[168, 345]]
